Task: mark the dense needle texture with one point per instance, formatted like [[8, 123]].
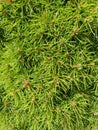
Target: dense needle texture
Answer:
[[49, 65]]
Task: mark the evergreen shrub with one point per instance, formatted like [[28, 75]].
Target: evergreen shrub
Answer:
[[49, 65]]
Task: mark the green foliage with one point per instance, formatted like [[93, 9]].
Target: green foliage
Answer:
[[49, 65]]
